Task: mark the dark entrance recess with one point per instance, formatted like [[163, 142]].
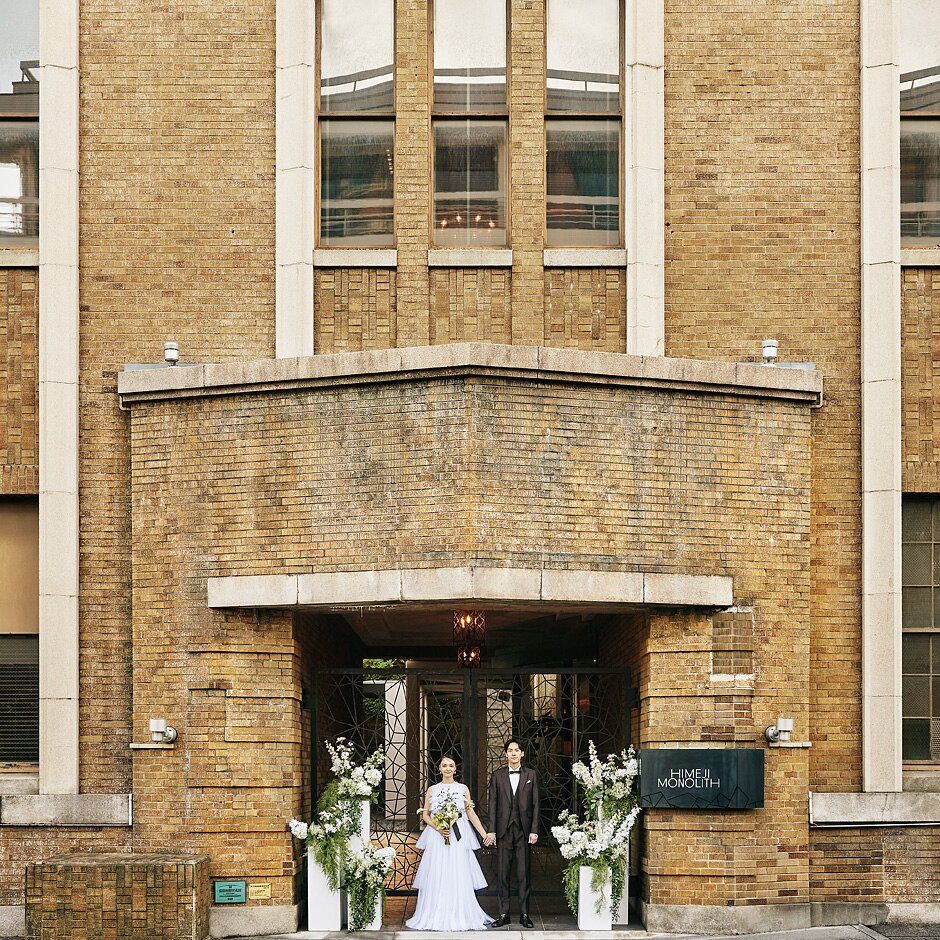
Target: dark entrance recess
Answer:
[[420, 714]]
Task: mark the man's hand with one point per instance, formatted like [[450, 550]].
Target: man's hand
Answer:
[[533, 838], [490, 839]]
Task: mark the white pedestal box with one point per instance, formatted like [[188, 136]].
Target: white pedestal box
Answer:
[[325, 908], [588, 918], [376, 922]]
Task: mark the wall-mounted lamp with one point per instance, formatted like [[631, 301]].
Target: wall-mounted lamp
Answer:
[[780, 732], [160, 732], [768, 351], [171, 353]]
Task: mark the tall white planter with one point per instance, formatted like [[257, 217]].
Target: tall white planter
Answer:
[[325, 907], [588, 900], [376, 922]]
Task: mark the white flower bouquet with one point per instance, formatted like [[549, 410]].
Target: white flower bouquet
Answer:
[[446, 813], [358, 780]]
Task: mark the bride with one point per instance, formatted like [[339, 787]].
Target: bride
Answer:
[[449, 873]]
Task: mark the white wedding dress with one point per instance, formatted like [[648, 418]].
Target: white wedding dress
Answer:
[[448, 875]]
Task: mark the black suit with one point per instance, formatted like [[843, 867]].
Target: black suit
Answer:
[[513, 817]]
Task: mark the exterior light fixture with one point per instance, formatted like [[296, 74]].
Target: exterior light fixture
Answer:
[[171, 353], [769, 348], [160, 732], [469, 636], [780, 732]]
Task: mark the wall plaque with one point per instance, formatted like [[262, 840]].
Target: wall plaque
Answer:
[[229, 892], [702, 778]]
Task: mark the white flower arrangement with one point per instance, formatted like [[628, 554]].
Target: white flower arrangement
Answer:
[[339, 810], [602, 843]]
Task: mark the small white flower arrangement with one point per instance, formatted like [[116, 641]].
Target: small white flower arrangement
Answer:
[[602, 842], [608, 785], [358, 780], [366, 869]]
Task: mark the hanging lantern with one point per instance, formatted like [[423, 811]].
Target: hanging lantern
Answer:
[[469, 636]]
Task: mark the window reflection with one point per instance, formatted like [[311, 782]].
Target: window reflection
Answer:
[[357, 55], [920, 123], [470, 56], [356, 183], [19, 181], [583, 183], [470, 183], [583, 55], [920, 181]]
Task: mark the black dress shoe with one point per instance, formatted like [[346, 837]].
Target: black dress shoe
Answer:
[[500, 921], [526, 921]]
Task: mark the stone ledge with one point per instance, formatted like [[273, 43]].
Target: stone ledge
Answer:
[[19, 784], [470, 258], [531, 363], [920, 257], [510, 585], [355, 258], [67, 809], [584, 257], [862, 810], [19, 257]]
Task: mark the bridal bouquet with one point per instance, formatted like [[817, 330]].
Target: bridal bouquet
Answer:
[[446, 813], [366, 868], [608, 785]]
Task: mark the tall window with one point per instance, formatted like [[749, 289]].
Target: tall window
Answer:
[[920, 668], [19, 627], [920, 123], [584, 123], [357, 126], [470, 123], [19, 125]]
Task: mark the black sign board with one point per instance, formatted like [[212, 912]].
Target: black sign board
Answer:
[[683, 778]]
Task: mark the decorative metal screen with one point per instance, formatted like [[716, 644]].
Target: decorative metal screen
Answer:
[[420, 715]]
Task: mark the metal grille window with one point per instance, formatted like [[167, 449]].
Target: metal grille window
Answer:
[[19, 699], [921, 618]]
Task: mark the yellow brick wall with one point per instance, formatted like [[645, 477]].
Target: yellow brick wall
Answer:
[[19, 381], [176, 243], [762, 241], [563, 482], [355, 310]]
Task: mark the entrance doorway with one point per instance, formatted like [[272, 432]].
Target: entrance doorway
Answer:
[[419, 714]]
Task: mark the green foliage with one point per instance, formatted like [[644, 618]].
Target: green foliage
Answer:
[[363, 896], [601, 869]]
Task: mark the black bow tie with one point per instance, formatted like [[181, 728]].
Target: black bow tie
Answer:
[[515, 771]]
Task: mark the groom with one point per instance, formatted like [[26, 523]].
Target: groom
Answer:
[[514, 828]]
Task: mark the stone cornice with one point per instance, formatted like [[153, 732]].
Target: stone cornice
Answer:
[[528, 363], [509, 586]]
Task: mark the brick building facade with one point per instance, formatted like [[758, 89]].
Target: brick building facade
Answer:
[[385, 419]]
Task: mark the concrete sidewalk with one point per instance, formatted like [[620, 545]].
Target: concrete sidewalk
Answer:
[[627, 933]]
